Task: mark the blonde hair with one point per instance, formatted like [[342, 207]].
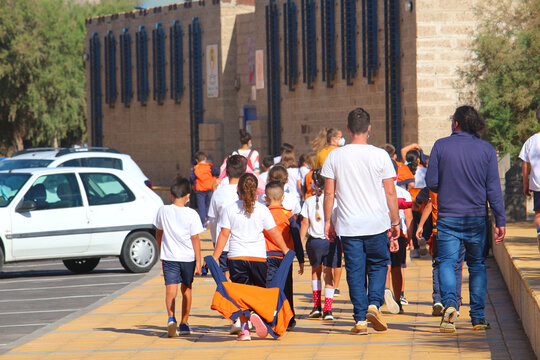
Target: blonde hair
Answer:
[[288, 160], [323, 138], [247, 191], [278, 173]]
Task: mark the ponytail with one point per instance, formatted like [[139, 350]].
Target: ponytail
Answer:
[[413, 158], [318, 181], [247, 189]]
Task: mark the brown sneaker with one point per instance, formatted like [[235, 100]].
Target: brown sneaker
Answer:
[[360, 328], [374, 316]]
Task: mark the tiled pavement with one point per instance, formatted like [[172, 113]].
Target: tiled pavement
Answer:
[[132, 326]]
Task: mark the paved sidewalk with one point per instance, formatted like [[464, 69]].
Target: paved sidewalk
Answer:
[[132, 326]]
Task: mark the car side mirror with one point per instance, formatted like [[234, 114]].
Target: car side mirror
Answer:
[[26, 206]]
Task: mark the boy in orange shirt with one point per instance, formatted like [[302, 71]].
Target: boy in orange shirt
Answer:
[[203, 175], [290, 230]]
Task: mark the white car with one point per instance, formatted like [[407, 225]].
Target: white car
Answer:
[[78, 215], [101, 157]]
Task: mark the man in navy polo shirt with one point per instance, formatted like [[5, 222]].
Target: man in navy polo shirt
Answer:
[[463, 171]]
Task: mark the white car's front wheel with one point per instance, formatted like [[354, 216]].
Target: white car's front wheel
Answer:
[[139, 252]]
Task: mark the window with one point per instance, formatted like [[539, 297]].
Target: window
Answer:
[[10, 184], [99, 162], [110, 69], [158, 45], [141, 43], [104, 162], [9, 164], [125, 67], [55, 192], [105, 189]]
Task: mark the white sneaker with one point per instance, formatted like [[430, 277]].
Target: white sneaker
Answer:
[[391, 304], [236, 327]]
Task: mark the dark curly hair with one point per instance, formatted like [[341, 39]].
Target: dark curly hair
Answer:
[[469, 120], [247, 190]]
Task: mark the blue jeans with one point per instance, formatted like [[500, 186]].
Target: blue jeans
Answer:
[[458, 271], [366, 254], [452, 232], [203, 203]]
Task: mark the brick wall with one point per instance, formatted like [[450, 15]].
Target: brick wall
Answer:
[[443, 35]]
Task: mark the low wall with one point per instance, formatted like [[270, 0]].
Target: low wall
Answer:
[[519, 263]]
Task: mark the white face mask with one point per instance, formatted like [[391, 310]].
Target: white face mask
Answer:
[[341, 141]]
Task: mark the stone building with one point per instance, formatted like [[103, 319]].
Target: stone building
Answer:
[[167, 81]]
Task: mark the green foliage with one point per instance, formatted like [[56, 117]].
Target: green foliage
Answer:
[[505, 71], [42, 70]]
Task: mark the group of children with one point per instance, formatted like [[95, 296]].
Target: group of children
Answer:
[[252, 230]]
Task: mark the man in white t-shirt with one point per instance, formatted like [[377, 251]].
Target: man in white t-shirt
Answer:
[[224, 196], [530, 154], [360, 178], [178, 228]]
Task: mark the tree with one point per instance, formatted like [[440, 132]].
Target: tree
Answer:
[[504, 71], [42, 71]]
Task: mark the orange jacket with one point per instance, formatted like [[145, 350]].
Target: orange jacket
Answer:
[[309, 179], [404, 174]]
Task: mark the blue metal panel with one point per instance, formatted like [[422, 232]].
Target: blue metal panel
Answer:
[[141, 44], [309, 42], [195, 82], [369, 39], [273, 77], [393, 73], [126, 79], [96, 112], [111, 92], [177, 62], [328, 31], [158, 47], [290, 44], [348, 40]]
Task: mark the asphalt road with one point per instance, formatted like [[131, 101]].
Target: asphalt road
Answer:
[[36, 295]]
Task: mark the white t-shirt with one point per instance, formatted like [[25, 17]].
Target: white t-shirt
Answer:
[[309, 211], [264, 177], [247, 238], [304, 170], [361, 202], [179, 224], [290, 202], [294, 176], [420, 177], [254, 157], [530, 152], [403, 194], [221, 198]]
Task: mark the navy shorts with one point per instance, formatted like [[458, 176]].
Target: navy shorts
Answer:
[[398, 259], [176, 272], [248, 272], [323, 252], [223, 263], [536, 200]]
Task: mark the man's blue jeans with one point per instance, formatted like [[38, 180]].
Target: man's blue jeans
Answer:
[[471, 232], [458, 272], [366, 254]]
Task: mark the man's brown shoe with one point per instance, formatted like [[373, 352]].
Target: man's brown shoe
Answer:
[[374, 316]]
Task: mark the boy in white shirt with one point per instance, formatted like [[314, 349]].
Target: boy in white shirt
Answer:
[[178, 229], [530, 154], [224, 196]]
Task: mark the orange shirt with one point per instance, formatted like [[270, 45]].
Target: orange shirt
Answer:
[[322, 155], [404, 174], [309, 179], [288, 226], [434, 210], [204, 177]]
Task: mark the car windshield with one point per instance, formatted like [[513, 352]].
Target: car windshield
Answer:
[[10, 164], [10, 184]]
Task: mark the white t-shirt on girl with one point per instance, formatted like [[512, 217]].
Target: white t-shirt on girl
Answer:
[[179, 224], [403, 194], [247, 238], [294, 176], [254, 157], [309, 211]]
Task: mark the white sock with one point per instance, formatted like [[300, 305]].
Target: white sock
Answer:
[[316, 285], [364, 322], [328, 293]]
